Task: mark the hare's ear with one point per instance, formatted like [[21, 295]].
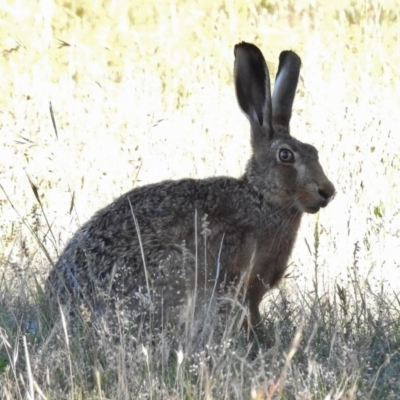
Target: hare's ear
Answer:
[[285, 88], [252, 85]]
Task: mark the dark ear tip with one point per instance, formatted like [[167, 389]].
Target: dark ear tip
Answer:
[[289, 56], [243, 44], [249, 47]]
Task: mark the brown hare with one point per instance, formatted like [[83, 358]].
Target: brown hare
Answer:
[[174, 248]]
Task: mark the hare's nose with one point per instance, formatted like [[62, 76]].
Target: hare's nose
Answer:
[[326, 190]]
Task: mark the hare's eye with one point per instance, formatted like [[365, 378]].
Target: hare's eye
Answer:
[[286, 156]]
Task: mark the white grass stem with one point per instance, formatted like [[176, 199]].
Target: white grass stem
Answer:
[[141, 249], [31, 393], [65, 329]]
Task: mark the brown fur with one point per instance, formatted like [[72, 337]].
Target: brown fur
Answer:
[[161, 248]]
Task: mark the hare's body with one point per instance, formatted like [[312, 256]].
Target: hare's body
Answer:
[[161, 248], [105, 255]]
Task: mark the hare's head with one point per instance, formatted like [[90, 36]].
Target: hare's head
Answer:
[[284, 169]]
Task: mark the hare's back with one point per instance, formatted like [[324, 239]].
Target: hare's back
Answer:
[[150, 223]]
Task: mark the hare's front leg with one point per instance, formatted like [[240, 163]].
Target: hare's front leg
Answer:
[[255, 325]]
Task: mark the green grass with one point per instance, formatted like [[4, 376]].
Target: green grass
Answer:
[[142, 93]]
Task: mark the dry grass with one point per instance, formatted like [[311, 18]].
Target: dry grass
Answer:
[[142, 93]]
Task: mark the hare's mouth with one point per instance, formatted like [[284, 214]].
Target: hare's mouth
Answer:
[[312, 210], [315, 208]]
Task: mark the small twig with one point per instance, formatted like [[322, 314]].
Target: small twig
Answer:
[[217, 273], [62, 43], [53, 119], [36, 194]]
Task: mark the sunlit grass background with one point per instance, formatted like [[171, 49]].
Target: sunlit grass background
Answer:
[[143, 91]]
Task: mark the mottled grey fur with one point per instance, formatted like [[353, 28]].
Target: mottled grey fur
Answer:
[[160, 249]]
